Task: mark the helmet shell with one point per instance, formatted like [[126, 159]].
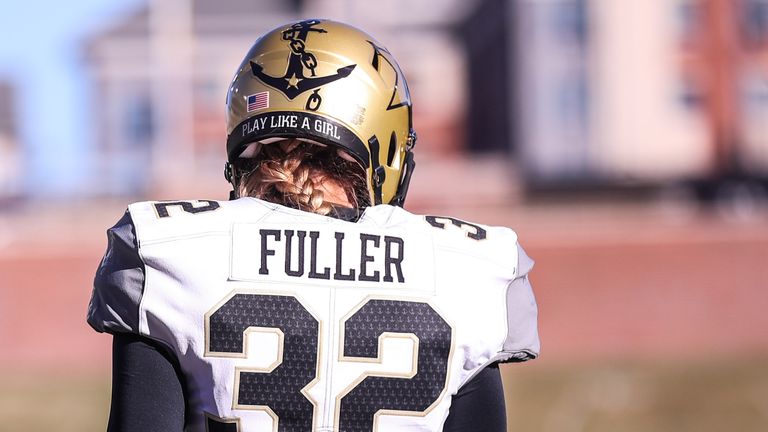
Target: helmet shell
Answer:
[[332, 83]]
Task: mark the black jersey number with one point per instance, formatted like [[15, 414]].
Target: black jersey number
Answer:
[[357, 408], [161, 208], [475, 232], [279, 390]]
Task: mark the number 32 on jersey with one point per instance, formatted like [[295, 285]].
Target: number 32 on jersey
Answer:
[[280, 390]]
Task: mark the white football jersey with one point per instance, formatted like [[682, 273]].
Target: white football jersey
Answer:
[[284, 320]]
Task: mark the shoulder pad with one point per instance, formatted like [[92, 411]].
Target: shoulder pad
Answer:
[[119, 282], [493, 245]]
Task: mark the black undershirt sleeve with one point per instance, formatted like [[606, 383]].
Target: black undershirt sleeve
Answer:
[[479, 404], [147, 392]]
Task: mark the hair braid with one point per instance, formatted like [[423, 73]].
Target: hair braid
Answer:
[[291, 171]]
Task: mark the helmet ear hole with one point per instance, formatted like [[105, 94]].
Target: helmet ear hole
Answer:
[[392, 148]]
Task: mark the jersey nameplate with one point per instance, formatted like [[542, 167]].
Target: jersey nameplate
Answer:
[[323, 254]]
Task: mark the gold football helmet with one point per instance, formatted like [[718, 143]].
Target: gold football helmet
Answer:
[[327, 82]]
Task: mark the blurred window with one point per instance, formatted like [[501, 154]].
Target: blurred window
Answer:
[[689, 16], [755, 22], [139, 124], [571, 21], [755, 91], [7, 109], [208, 93], [572, 101], [690, 95]]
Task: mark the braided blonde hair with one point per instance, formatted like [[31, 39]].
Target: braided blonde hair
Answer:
[[291, 172]]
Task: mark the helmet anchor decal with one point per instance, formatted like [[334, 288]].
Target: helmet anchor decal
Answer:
[[294, 82], [314, 100]]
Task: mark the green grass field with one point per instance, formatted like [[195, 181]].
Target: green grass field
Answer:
[[616, 397], [709, 396], [62, 403]]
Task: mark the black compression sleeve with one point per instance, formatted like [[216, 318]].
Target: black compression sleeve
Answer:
[[479, 405], [147, 394]]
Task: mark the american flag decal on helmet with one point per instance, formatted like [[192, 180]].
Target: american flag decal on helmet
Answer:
[[258, 101]]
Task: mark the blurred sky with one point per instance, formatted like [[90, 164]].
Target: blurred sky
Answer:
[[40, 54]]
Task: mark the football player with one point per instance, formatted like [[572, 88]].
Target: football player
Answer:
[[311, 301]]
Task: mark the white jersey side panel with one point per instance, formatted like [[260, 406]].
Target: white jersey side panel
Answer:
[[281, 317]]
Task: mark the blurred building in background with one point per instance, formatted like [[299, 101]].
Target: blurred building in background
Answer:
[[160, 78], [653, 91], [752, 87], [159, 81], [576, 92], [10, 145], [725, 68]]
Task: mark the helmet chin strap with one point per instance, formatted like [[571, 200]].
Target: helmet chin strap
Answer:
[[378, 175], [405, 174], [405, 180], [230, 173]]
